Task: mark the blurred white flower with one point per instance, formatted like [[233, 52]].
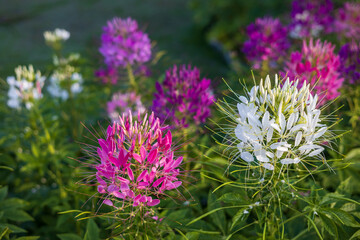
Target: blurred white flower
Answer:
[[62, 83], [56, 35], [25, 87]]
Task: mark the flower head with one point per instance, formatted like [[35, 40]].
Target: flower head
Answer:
[[122, 43], [267, 41], [54, 39], [274, 127], [350, 62], [183, 97], [136, 163], [25, 87], [309, 18], [347, 21], [123, 103], [62, 84], [318, 65]]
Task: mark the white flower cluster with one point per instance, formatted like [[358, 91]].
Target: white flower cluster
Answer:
[[279, 125], [61, 84], [56, 36], [25, 87]]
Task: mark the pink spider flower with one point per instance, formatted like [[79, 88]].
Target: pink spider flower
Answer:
[[124, 103], [137, 164], [318, 65], [347, 21]]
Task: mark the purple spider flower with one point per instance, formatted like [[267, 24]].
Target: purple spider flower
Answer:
[[347, 21], [108, 75], [122, 43], [309, 18], [183, 97], [318, 65], [267, 42], [123, 103], [350, 62]]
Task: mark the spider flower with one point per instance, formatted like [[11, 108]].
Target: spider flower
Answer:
[[318, 65], [55, 38], [64, 83], [267, 42], [136, 163], [124, 103], [274, 127], [122, 43], [183, 97], [25, 87], [347, 21], [350, 62], [309, 18]]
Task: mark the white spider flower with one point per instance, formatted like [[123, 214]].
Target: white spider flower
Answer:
[[55, 38], [56, 35], [62, 84], [25, 87], [276, 126]]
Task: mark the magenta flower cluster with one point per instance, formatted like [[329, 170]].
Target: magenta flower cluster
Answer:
[[350, 62], [318, 65], [348, 21], [183, 97], [267, 42], [309, 18], [108, 75], [122, 43], [136, 162], [123, 103]]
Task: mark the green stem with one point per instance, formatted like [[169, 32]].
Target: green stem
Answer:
[[131, 77]]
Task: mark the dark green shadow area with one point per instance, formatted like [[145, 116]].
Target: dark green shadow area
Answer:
[[168, 23]]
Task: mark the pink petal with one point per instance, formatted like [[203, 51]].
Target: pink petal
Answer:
[[130, 173], [152, 156], [108, 202], [142, 176], [154, 202], [158, 182]]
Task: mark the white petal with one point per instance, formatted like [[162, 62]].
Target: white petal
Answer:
[[316, 152], [290, 161], [243, 99], [269, 135], [298, 138], [282, 122], [291, 121], [265, 120], [247, 157], [276, 127], [320, 132], [268, 166]]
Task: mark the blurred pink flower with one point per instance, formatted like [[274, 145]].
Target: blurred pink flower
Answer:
[[318, 65]]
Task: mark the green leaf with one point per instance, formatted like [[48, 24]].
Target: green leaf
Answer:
[[193, 235], [13, 228], [233, 198], [328, 224], [237, 217], [28, 238], [328, 198], [92, 231], [342, 216], [3, 193], [356, 235], [17, 215], [219, 216], [5, 233], [314, 225], [68, 236]]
